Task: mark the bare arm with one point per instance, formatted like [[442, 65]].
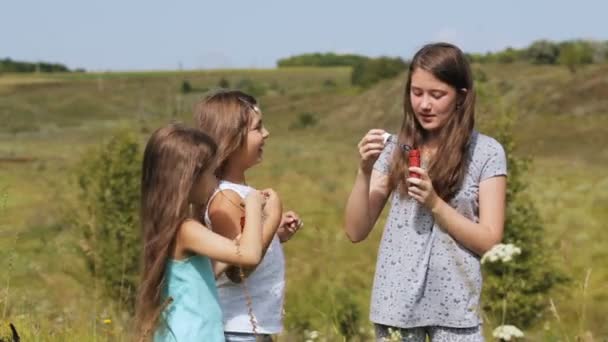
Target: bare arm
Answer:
[[366, 200], [370, 191], [194, 237], [478, 237]]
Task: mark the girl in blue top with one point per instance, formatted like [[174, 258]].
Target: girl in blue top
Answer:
[[177, 299]]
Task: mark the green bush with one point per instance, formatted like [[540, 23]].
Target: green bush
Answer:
[[304, 120], [523, 284], [329, 83], [223, 83], [570, 53], [9, 65], [346, 313], [321, 60], [255, 89], [186, 87], [543, 52], [574, 54], [509, 55], [370, 71], [328, 308], [109, 195], [479, 75]]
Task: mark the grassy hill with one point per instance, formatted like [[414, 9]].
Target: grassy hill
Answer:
[[50, 121]]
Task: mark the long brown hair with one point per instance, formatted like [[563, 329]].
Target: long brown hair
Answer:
[[225, 115], [447, 169], [174, 158]]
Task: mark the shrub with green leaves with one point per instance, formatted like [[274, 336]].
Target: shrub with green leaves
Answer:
[[186, 87], [522, 284], [223, 83], [108, 217], [370, 71], [304, 120], [320, 59], [253, 88]]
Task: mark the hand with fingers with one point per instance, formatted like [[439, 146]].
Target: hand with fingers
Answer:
[[290, 224], [273, 207], [421, 188], [370, 148]]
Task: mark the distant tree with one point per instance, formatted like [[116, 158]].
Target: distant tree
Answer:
[[569, 56], [252, 88], [304, 120], [321, 60], [373, 70], [186, 87], [600, 51], [543, 52], [509, 55], [329, 83], [9, 65], [223, 83], [575, 53], [479, 75]]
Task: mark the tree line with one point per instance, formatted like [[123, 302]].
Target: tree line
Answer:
[[9, 65]]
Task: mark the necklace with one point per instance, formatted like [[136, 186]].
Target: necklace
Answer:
[[239, 205], [241, 272]]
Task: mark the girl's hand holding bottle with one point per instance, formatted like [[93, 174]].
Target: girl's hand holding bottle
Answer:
[[420, 187]]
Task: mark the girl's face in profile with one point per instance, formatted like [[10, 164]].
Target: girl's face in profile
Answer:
[[252, 151], [433, 101]]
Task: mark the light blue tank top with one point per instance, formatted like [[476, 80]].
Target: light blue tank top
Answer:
[[195, 313]]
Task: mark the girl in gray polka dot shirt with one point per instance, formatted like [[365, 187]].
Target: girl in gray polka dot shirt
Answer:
[[444, 215]]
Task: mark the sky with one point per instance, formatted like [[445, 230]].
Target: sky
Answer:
[[118, 35]]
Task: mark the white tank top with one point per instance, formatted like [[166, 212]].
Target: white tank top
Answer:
[[266, 285]]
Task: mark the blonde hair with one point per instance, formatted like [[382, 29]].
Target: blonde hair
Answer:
[[225, 115]]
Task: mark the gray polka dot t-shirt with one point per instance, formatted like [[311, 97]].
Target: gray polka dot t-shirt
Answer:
[[423, 276]]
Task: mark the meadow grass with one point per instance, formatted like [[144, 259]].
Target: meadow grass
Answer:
[[54, 119]]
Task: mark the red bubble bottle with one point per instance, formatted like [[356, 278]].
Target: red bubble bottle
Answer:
[[414, 160]]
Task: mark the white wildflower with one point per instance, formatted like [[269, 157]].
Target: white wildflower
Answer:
[[501, 252], [394, 335], [311, 335], [507, 332]]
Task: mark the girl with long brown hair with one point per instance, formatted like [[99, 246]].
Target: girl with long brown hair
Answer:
[[177, 298], [251, 299], [443, 217]]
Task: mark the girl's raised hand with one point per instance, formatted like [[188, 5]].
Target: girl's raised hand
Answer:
[[273, 207], [421, 189], [290, 224], [370, 148], [255, 200]]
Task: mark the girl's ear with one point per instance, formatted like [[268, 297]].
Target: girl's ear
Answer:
[[462, 93]]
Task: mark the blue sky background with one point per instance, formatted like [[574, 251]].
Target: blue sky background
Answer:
[[146, 35]]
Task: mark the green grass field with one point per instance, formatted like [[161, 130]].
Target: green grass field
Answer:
[[50, 121]]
